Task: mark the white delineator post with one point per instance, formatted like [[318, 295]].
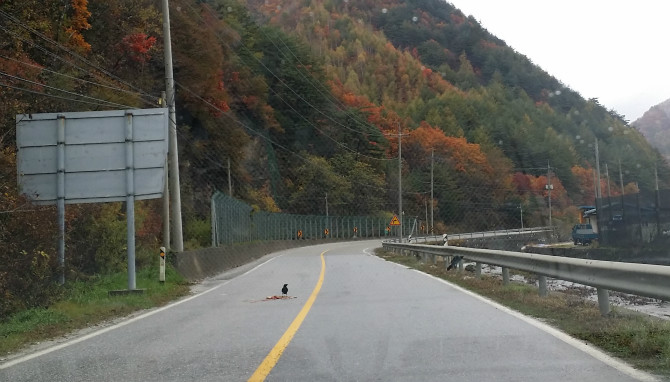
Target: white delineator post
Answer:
[[161, 272]]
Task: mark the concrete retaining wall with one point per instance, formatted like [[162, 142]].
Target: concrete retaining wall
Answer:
[[201, 263]]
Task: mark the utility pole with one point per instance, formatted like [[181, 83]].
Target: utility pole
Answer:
[[426, 205], [327, 220], [599, 215], [598, 190], [623, 208], [166, 194], [432, 162], [609, 194], [658, 203], [607, 175], [175, 193], [621, 177], [400, 180], [549, 187], [230, 184]]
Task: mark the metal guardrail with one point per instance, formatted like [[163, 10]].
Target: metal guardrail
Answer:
[[498, 233], [638, 279], [475, 235]]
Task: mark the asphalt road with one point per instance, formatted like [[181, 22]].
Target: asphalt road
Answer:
[[371, 321]]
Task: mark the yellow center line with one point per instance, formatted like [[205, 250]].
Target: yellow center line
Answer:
[[273, 357]]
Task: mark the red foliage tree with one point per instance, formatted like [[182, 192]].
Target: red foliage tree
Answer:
[[137, 47]]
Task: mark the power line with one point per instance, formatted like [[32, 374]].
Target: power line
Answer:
[[55, 96], [262, 136], [326, 135], [76, 78], [72, 53], [62, 90], [328, 95], [318, 110]]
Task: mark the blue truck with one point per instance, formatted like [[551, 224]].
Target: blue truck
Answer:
[[583, 234]]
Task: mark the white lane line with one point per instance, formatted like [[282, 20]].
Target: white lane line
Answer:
[[590, 350], [258, 266], [367, 251], [121, 324]]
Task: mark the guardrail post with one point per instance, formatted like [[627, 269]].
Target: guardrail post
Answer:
[[433, 259], [603, 301], [478, 270], [505, 275], [447, 261], [461, 265], [542, 285]]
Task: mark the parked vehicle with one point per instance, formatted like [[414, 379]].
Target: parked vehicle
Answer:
[[583, 234]]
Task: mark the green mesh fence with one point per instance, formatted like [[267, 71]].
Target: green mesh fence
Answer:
[[234, 221]]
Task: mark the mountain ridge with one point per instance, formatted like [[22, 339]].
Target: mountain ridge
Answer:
[[654, 124]]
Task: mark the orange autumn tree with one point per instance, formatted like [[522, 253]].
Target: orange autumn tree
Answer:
[[78, 22], [463, 156], [464, 179], [586, 181], [559, 195]]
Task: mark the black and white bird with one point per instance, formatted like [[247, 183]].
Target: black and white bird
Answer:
[[454, 262], [284, 290]]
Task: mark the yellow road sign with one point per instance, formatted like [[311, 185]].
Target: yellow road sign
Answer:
[[395, 220]]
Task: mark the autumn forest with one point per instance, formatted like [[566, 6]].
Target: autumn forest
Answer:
[[304, 98]]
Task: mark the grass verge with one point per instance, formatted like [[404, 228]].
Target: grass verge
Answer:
[[641, 340], [87, 303]]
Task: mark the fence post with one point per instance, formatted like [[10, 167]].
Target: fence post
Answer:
[[603, 301], [505, 275], [213, 220], [542, 285]]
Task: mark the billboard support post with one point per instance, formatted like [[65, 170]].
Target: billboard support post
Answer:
[[130, 201], [61, 198], [93, 157]]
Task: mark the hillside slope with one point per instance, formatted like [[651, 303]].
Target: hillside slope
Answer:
[[445, 70], [655, 126]]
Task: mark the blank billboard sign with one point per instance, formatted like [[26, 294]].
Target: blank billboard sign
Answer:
[[94, 152]]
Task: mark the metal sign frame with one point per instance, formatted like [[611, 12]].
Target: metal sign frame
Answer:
[[93, 157]]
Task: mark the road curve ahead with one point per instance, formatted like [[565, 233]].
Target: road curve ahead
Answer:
[[353, 317]]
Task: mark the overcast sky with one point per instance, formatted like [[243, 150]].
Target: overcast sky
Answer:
[[616, 51]]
